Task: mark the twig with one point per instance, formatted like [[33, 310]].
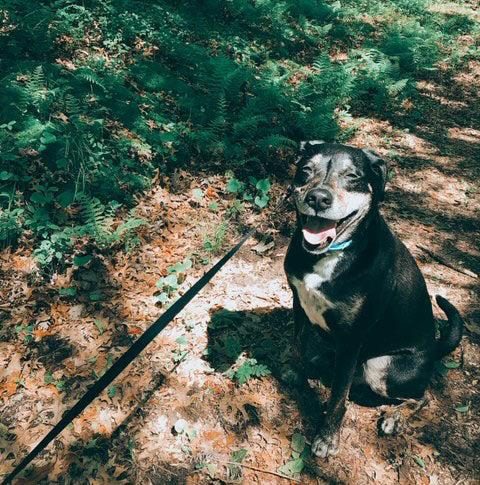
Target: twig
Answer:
[[449, 264], [259, 470]]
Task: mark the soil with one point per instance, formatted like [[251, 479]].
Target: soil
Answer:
[[175, 416]]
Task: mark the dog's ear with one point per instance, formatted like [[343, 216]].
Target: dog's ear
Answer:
[[304, 144], [378, 166]]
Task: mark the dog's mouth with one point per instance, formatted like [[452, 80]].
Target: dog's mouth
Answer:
[[319, 233]]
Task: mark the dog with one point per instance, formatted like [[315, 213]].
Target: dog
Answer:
[[356, 287]]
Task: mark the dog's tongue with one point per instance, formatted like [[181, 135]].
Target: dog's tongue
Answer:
[[316, 238], [316, 230]]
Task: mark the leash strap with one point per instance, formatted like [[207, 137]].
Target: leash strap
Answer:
[[149, 334]]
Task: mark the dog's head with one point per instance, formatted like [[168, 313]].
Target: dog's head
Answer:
[[335, 186]]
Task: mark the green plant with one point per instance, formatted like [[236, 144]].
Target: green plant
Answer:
[[169, 284], [247, 368], [58, 383], [214, 243], [299, 453], [256, 190]]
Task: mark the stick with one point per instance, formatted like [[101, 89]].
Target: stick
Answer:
[[260, 470], [448, 264]]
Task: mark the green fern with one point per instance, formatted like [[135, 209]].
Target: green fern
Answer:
[[91, 76], [97, 221]]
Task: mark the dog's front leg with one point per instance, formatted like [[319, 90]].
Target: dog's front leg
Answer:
[[327, 441]]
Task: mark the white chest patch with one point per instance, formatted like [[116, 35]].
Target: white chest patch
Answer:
[[309, 289]]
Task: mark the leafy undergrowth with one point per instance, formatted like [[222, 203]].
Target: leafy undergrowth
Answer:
[[100, 98]]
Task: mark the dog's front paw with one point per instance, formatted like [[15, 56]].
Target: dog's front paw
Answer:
[[326, 445]]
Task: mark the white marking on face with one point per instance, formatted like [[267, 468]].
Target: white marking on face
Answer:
[[375, 373], [351, 201], [313, 301]]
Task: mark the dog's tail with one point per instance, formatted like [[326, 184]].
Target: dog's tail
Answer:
[[449, 337]]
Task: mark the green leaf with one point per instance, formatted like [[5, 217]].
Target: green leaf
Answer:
[[60, 385], [38, 197], [441, 369], [171, 280], [82, 260], [298, 443], [99, 325], [239, 455], [262, 200], [48, 138], [419, 461], [111, 391], [92, 443], [48, 378], [235, 186], [247, 196], [5, 175], [95, 295], [162, 297], [180, 267], [213, 205], [451, 364], [181, 340], [260, 370], [293, 467], [67, 291], [198, 194], [66, 198], [462, 409], [212, 469], [263, 185]]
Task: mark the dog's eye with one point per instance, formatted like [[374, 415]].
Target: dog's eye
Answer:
[[353, 175], [306, 171]]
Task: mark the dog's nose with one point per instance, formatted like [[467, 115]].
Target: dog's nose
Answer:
[[319, 199]]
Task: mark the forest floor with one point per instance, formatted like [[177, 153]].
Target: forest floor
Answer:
[[175, 416]]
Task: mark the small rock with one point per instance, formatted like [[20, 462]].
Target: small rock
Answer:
[[76, 311]]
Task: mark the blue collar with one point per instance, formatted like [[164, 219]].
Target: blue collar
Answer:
[[340, 247]]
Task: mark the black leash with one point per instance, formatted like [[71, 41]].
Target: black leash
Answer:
[[149, 334]]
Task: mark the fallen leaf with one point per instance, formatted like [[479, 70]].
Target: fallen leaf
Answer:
[[262, 247], [473, 327]]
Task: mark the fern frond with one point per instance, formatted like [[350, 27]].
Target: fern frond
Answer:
[[90, 76], [273, 142], [97, 221]]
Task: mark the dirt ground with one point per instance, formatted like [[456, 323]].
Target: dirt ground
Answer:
[[175, 416]]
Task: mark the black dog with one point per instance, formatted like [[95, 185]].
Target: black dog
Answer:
[[356, 285]]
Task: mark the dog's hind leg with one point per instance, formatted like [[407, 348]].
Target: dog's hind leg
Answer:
[[404, 377]]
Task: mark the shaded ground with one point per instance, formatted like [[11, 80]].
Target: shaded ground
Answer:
[[174, 416]]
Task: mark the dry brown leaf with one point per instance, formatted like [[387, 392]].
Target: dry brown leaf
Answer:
[[9, 387], [212, 435]]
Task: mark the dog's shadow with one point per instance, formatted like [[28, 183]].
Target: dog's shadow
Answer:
[[265, 335]]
